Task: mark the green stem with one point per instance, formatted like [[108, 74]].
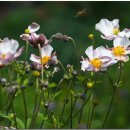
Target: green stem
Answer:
[[109, 109], [70, 113], [35, 103], [82, 107], [112, 99], [26, 50], [62, 67], [25, 108], [37, 108], [15, 121], [62, 113], [75, 48], [91, 116]]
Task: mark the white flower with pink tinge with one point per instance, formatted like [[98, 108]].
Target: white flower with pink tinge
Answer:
[[121, 49], [98, 59], [8, 51], [110, 29], [47, 57], [33, 38]]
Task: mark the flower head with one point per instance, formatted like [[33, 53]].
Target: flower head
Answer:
[[33, 38], [110, 29], [8, 51], [121, 49], [47, 57], [98, 59]]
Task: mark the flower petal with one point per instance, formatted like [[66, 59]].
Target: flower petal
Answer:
[[46, 50], [89, 52], [35, 59], [33, 27], [18, 53], [105, 27], [124, 42]]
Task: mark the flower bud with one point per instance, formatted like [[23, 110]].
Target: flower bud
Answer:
[[90, 84], [91, 36], [11, 90], [61, 37], [83, 96], [11, 116], [36, 73], [45, 84], [3, 81]]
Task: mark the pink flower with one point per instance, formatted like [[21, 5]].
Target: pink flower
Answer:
[[47, 57], [8, 51], [98, 59], [121, 49], [33, 38]]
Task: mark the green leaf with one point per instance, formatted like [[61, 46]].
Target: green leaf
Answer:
[[57, 94], [52, 85], [72, 92], [28, 122], [40, 115], [20, 123]]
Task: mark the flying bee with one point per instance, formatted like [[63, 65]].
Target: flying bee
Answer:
[[81, 13]]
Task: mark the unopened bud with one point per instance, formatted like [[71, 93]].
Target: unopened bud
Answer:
[[91, 36], [36, 73], [90, 84]]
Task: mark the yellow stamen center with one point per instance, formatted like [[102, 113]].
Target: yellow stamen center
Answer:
[[45, 59], [116, 31], [96, 63], [3, 56], [27, 31], [119, 51]]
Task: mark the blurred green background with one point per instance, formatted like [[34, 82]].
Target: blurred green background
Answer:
[[61, 17]]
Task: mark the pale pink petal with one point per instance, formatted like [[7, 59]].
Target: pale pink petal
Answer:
[[33, 27]]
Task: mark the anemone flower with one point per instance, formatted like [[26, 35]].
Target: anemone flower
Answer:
[[98, 59], [121, 49], [110, 29], [47, 57], [8, 51], [33, 38]]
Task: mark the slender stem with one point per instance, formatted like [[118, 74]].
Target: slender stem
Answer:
[[80, 116], [112, 99], [25, 108], [62, 113], [62, 67], [71, 109], [59, 84], [75, 48], [35, 103], [70, 113], [82, 107], [15, 121], [91, 116], [26, 50], [109, 109], [37, 108]]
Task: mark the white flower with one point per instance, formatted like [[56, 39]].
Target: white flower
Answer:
[[121, 49], [8, 51], [110, 29], [98, 59], [33, 38], [46, 59]]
